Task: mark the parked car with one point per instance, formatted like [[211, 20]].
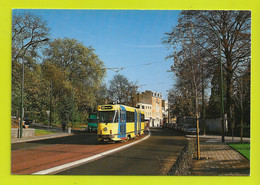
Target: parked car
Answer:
[[184, 128], [180, 128], [191, 129]]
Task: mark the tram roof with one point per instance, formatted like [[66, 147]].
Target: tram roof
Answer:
[[108, 107]]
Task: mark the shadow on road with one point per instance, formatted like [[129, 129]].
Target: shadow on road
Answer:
[[78, 138]]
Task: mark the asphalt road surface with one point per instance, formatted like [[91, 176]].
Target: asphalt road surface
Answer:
[[153, 156]]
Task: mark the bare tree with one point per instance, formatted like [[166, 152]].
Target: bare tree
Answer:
[[232, 29], [122, 91], [241, 95], [28, 33]]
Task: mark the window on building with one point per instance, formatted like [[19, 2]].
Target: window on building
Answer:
[[142, 118]]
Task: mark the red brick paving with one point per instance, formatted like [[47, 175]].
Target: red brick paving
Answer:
[[28, 161]]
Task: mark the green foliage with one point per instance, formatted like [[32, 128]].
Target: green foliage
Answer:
[[66, 79], [76, 73], [29, 35]]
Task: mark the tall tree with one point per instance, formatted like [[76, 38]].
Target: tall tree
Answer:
[[229, 30], [29, 34], [189, 69], [122, 91], [75, 71], [241, 98]]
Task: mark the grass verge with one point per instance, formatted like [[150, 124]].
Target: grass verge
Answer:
[[243, 148], [39, 132]]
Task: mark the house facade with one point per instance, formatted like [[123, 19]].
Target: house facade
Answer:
[[151, 103]]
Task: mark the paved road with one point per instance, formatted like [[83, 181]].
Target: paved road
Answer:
[[153, 156]]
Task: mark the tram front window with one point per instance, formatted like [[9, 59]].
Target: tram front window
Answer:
[[108, 117]]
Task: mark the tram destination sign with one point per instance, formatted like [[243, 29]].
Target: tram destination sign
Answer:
[[106, 107]]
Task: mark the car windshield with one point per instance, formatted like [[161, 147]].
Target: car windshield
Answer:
[[108, 117], [92, 120]]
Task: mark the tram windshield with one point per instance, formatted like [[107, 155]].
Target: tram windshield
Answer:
[[108, 117]]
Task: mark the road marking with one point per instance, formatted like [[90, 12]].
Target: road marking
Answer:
[[88, 159]]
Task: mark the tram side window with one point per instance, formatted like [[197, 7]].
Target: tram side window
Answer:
[[130, 116], [127, 116]]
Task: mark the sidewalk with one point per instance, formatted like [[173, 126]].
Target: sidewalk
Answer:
[[219, 159], [59, 133], [36, 138]]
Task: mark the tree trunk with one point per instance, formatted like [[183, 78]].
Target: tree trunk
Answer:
[[229, 91], [241, 129]]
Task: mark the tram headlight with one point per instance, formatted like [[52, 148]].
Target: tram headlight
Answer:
[[105, 129]]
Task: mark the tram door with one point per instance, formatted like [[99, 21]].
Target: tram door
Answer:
[[136, 122], [122, 122], [140, 122]]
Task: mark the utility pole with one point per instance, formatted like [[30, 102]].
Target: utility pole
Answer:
[[21, 111], [168, 109], [202, 96], [50, 104]]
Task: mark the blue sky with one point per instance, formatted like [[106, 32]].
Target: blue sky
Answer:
[[129, 39]]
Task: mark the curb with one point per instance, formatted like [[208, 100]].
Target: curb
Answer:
[[40, 138]]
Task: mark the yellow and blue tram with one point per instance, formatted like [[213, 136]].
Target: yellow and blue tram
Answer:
[[119, 123]]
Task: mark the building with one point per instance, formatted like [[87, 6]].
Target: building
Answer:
[[151, 103], [147, 109], [165, 111]]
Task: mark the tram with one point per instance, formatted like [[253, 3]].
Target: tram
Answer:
[[92, 122], [119, 123]]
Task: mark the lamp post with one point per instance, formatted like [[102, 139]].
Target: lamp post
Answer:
[[48, 115]]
